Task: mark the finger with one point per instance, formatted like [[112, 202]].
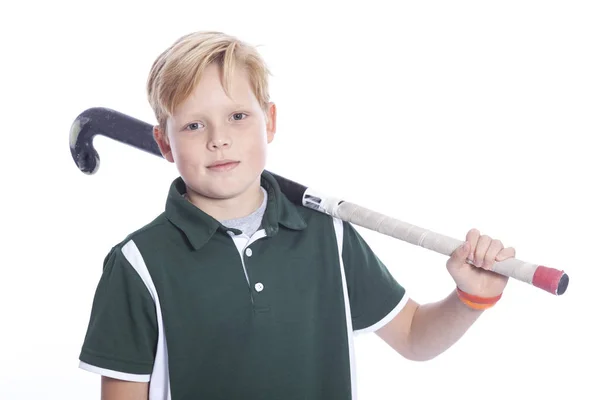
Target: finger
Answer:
[[489, 259], [507, 252], [472, 238], [483, 244]]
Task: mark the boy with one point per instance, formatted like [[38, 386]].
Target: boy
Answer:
[[233, 292]]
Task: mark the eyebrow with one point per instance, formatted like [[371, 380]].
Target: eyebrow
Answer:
[[199, 114]]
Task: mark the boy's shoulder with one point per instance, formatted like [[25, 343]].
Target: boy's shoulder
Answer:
[[311, 216], [149, 232]]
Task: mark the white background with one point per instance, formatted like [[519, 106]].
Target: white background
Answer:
[[446, 114]]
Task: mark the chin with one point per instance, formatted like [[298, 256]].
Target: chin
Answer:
[[221, 191], [223, 187]]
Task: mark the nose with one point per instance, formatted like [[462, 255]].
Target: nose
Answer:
[[219, 141]]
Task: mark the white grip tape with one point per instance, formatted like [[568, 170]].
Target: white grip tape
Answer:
[[418, 236]]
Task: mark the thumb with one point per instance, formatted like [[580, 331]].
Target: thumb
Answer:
[[459, 256]]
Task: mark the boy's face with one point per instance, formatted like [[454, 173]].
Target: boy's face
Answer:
[[219, 144]]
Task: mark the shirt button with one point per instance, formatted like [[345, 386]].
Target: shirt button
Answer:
[[248, 252], [259, 287]]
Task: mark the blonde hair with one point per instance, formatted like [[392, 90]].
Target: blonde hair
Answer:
[[177, 70]]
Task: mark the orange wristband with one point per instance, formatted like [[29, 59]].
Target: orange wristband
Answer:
[[476, 306], [477, 302]]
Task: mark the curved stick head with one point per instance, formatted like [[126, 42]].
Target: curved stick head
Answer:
[[112, 124], [82, 147]]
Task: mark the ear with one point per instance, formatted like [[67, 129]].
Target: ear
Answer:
[[162, 140], [271, 122]]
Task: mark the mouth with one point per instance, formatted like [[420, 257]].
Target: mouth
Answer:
[[223, 165]]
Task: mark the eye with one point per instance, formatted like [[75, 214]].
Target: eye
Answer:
[[193, 126], [239, 116]]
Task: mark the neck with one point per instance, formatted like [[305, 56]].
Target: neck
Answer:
[[231, 208]]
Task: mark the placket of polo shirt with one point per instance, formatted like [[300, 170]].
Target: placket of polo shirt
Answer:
[[243, 243]]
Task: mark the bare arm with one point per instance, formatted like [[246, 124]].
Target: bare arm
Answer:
[[114, 389], [422, 332]]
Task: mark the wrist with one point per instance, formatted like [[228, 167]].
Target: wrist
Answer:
[[478, 303]]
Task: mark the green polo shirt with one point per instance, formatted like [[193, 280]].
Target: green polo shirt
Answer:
[[201, 311]]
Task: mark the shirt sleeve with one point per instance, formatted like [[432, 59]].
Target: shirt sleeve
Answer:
[[375, 296], [121, 336]]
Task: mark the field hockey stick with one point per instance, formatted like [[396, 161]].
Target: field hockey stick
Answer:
[[138, 134]]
